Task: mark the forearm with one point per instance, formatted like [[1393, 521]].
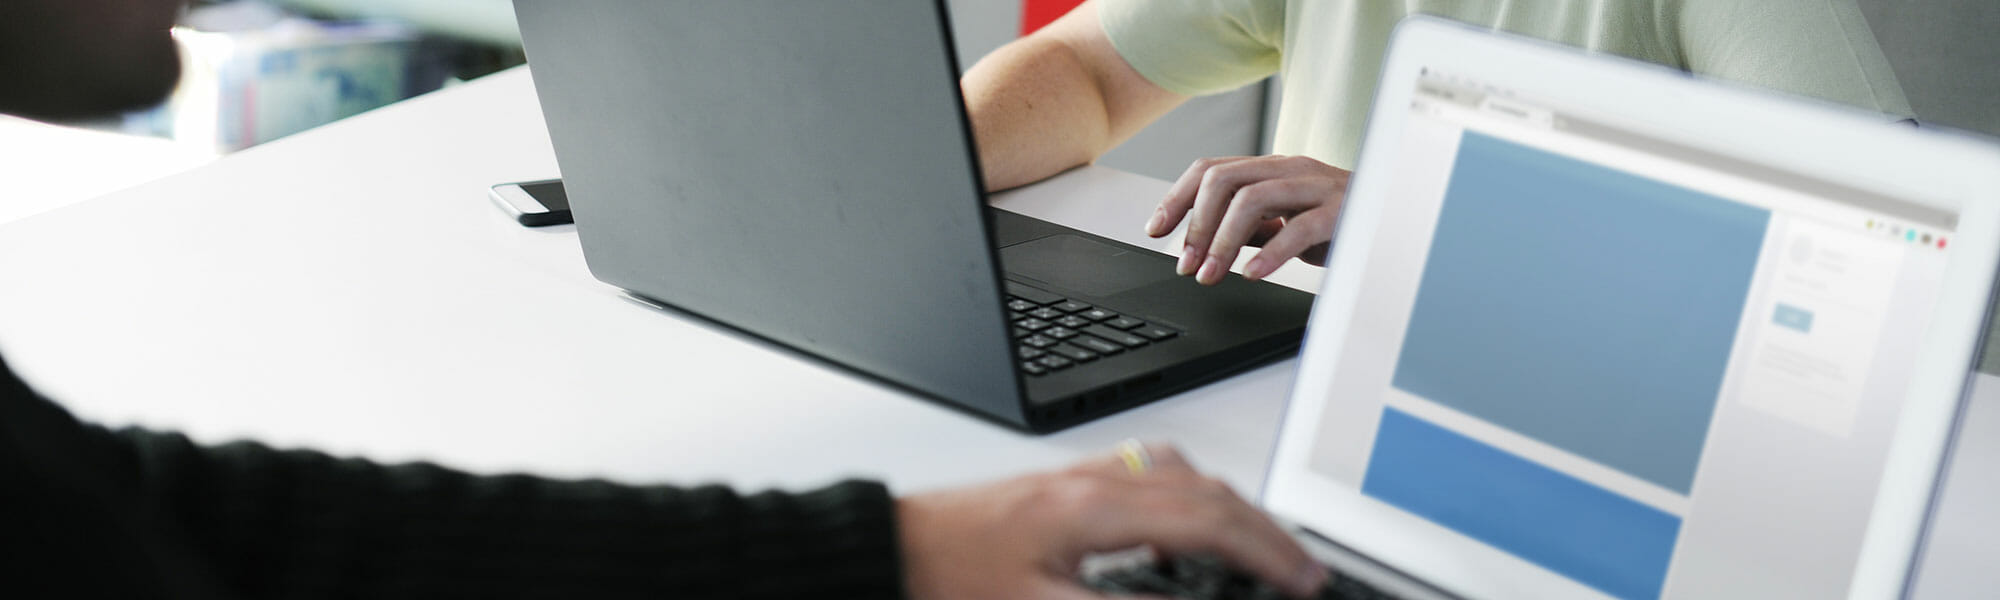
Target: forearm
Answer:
[[296, 523], [1034, 112], [1056, 99]]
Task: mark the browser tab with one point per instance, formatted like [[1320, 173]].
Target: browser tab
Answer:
[[1539, 117]]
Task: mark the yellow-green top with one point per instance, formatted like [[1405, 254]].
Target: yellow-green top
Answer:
[[1329, 53]]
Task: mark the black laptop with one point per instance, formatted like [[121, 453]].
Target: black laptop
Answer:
[[804, 172]]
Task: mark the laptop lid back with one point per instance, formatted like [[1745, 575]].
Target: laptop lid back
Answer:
[[801, 171], [1594, 328]]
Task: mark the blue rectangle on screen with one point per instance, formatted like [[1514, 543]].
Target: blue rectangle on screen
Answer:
[[1584, 532], [1589, 308], [1793, 317]]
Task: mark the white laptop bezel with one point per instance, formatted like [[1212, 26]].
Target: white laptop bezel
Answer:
[[1943, 171]]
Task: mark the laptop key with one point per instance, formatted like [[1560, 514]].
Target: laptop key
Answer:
[[1039, 341], [1072, 321], [1054, 363], [1019, 305], [1021, 333], [1124, 323], [1122, 338], [1073, 353], [1032, 368], [1070, 306], [1097, 314], [1097, 345], [1156, 332], [1032, 324], [1029, 352], [1059, 332]]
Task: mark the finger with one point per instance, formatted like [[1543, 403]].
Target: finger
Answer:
[[1218, 187], [1164, 457], [1108, 465], [1252, 207], [1180, 196], [1181, 199], [1302, 233], [1202, 516]]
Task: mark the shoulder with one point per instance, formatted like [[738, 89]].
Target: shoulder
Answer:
[[1817, 48]]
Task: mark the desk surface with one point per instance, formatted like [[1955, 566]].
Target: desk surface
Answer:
[[351, 289], [336, 291]]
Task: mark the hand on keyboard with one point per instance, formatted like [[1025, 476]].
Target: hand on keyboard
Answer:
[[1026, 537]]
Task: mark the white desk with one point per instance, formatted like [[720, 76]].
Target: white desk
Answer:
[[351, 289]]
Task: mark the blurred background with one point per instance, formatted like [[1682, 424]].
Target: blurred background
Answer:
[[259, 70]]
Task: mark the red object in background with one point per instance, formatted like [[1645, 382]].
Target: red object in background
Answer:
[[1940, 243], [1036, 13]]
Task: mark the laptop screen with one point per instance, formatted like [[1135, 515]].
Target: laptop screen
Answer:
[[1640, 368]]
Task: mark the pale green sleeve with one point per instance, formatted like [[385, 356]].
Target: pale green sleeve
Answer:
[[1817, 48], [1197, 47]]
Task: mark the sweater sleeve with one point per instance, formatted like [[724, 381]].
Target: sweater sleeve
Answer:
[[1196, 47], [261, 522]]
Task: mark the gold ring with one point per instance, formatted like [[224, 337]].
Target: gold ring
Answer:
[[1137, 460]]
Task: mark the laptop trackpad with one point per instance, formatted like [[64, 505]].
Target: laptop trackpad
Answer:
[[1085, 265]]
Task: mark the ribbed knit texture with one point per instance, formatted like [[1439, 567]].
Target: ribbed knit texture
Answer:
[[146, 514]]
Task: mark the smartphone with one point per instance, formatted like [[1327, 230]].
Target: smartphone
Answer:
[[533, 203]]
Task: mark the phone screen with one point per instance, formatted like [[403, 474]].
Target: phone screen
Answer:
[[549, 193]]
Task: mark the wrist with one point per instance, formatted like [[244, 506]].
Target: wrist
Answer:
[[913, 528]]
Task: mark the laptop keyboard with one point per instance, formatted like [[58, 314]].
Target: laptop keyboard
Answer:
[[1208, 578], [1054, 333]]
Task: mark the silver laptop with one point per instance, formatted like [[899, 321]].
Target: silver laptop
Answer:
[[1593, 328]]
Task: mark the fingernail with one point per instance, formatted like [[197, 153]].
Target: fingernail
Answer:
[[1254, 270], [1310, 580], [1153, 225], [1188, 261], [1211, 271]]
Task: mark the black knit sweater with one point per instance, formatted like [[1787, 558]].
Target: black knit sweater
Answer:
[[132, 513]]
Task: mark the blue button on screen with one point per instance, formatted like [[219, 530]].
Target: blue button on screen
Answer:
[[1793, 317]]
